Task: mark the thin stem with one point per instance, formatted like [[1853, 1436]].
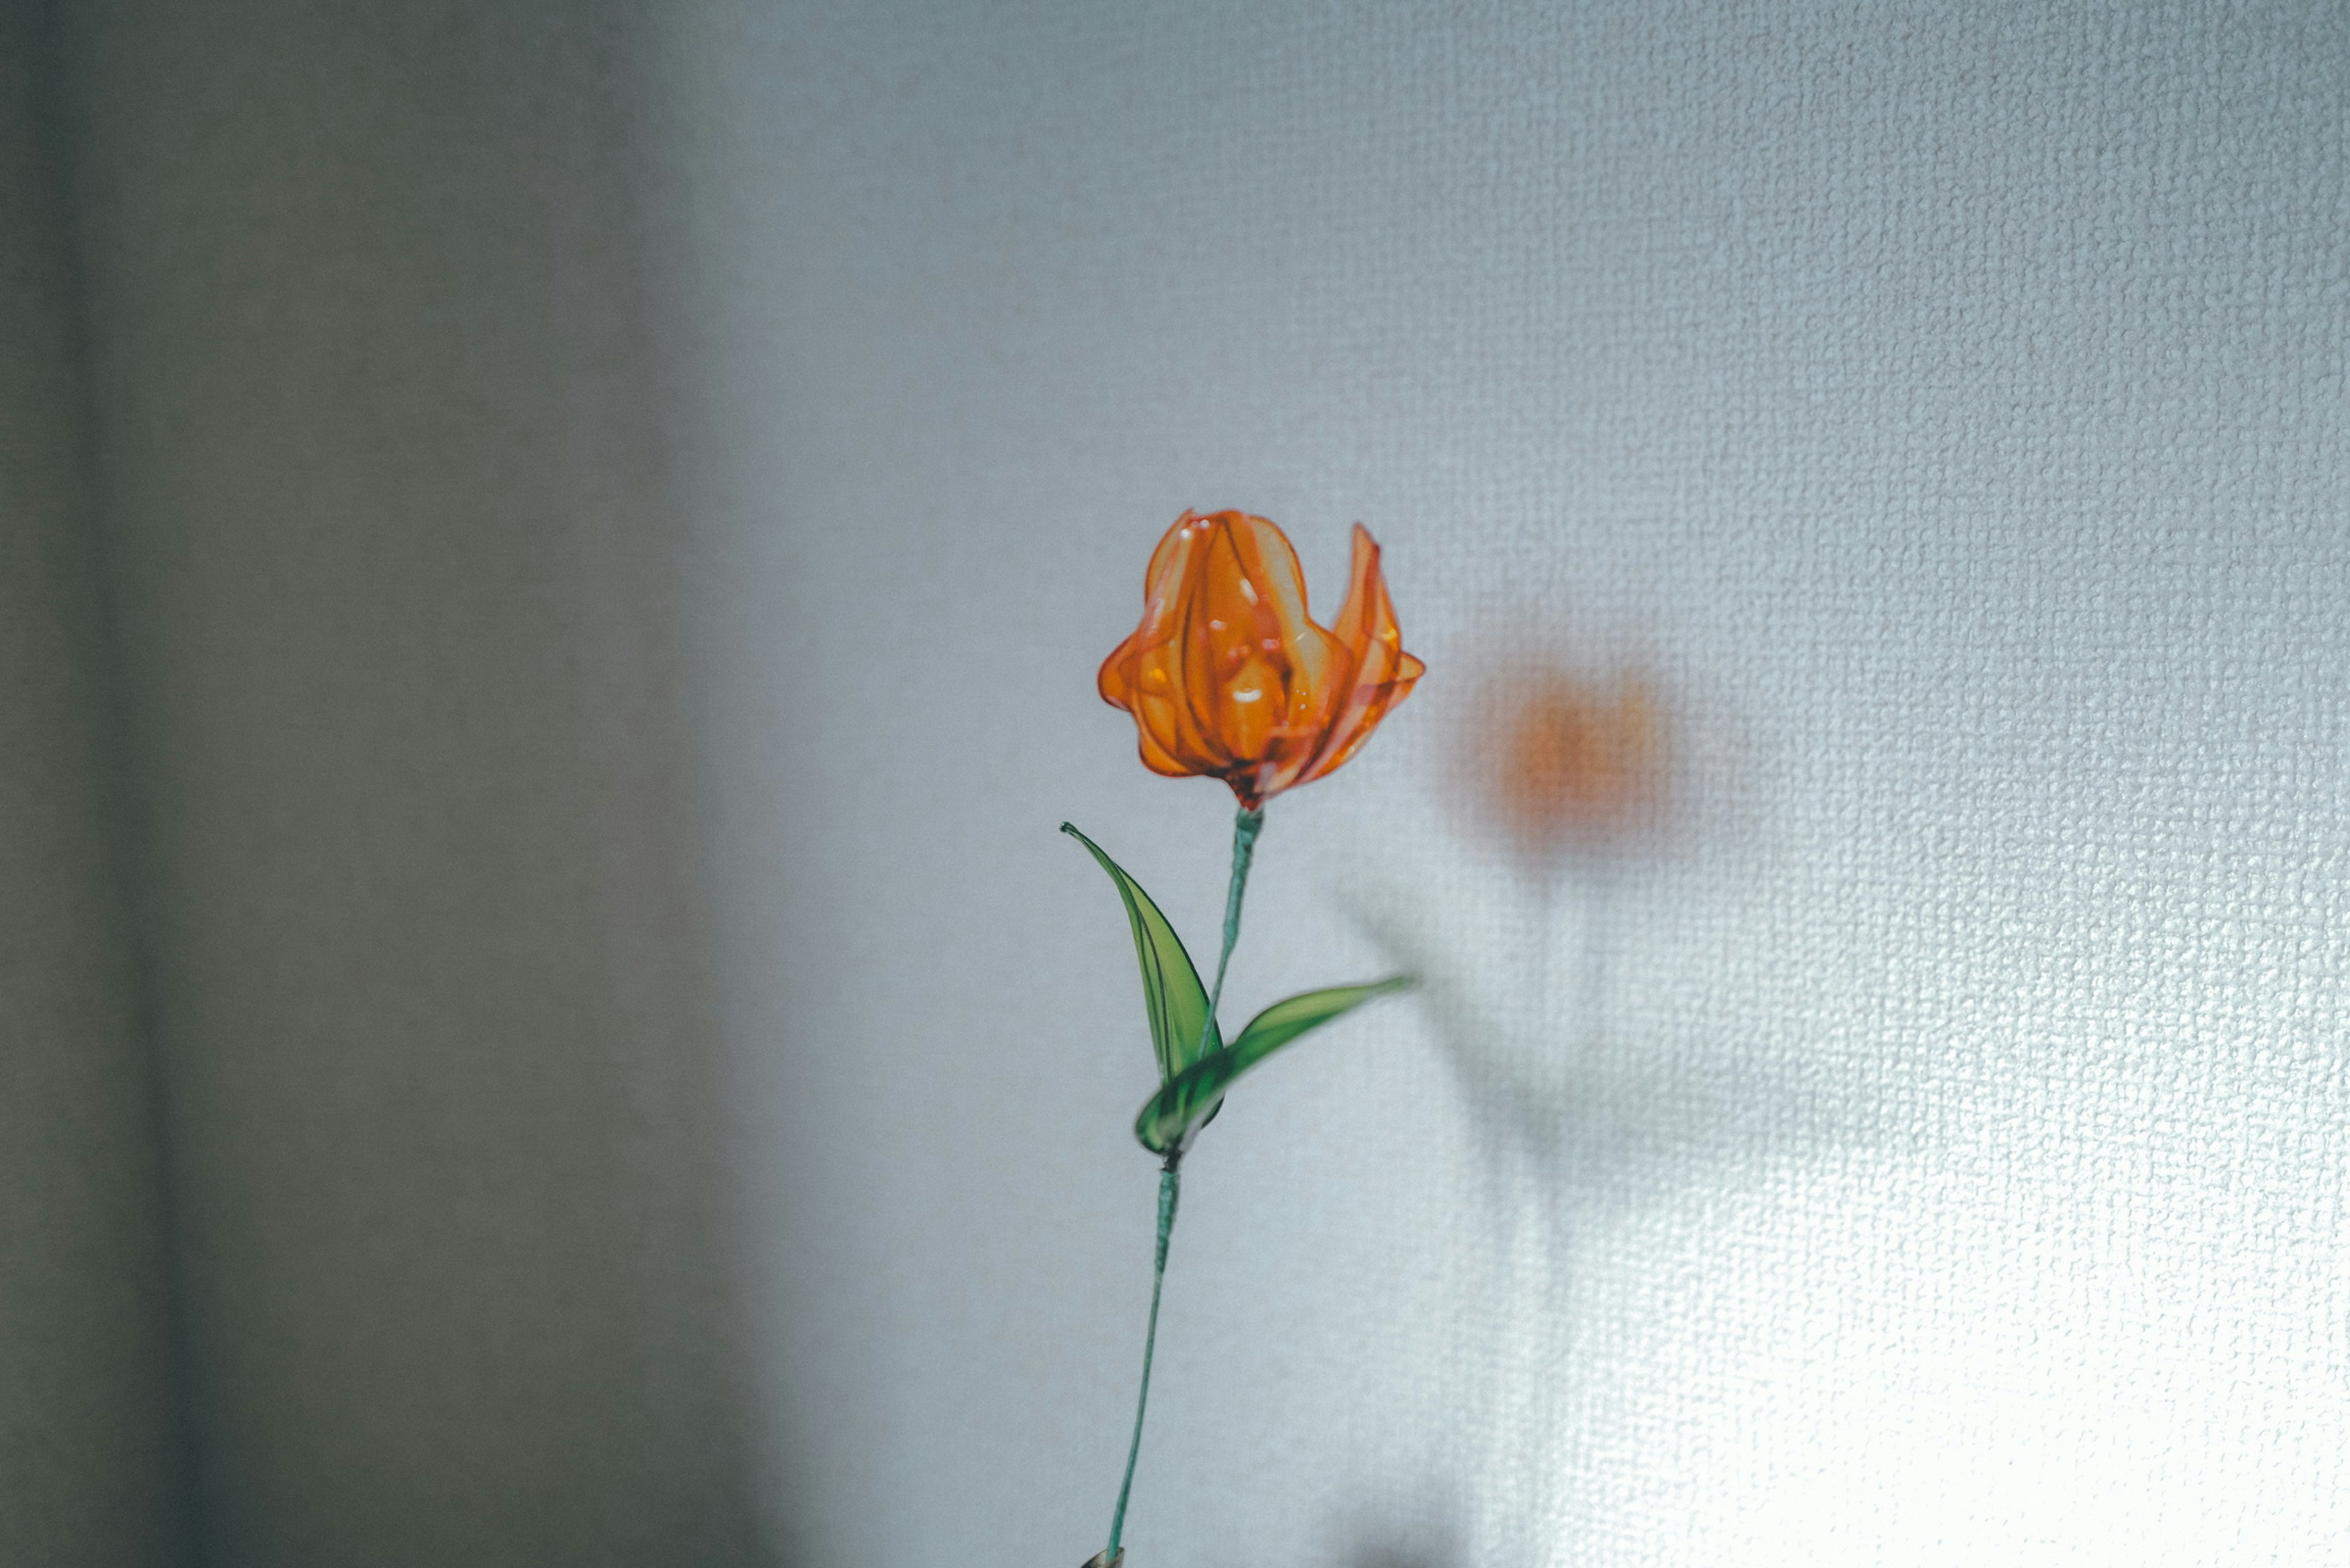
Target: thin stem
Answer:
[[1168, 1182], [1245, 827]]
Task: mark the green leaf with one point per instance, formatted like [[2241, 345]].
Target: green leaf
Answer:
[[1171, 991], [1192, 1097]]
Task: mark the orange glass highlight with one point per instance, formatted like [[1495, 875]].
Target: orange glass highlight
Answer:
[[1229, 678]]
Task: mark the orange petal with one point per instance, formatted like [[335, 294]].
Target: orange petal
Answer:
[[1228, 675], [1383, 674], [1159, 760], [1320, 669], [1256, 669], [1144, 674], [1116, 680]]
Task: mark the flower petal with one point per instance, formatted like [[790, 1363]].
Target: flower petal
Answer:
[[1228, 676], [1256, 669], [1305, 666], [1383, 674], [1144, 674]]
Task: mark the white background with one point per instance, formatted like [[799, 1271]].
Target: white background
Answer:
[[1947, 404]]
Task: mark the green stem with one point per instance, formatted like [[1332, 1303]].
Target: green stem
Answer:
[[1245, 827], [1168, 1185]]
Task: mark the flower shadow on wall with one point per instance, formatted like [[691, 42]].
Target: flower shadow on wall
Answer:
[[1572, 770], [1575, 776], [1572, 776]]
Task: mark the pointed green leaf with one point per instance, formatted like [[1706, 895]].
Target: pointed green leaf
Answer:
[[1171, 991], [1192, 1097]]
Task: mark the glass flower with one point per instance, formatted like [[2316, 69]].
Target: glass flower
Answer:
[[1229, 678]]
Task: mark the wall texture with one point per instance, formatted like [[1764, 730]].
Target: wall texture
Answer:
[[1927, 1150], [609, 517], [382, 503], [90, 1442]]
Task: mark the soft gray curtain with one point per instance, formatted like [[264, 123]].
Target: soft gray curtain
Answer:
[[359, 1141], [91, 1445]]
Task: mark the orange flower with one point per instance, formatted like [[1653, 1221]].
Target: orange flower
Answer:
[[1227, 678]]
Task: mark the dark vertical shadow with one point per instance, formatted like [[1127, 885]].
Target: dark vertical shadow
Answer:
[[390, 561], [91, 1426]]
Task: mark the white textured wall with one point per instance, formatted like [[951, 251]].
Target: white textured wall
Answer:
[[89, 1440], [1947, 402]]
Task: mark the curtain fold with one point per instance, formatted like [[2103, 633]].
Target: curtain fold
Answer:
[[367, 517], [90, 1453]]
